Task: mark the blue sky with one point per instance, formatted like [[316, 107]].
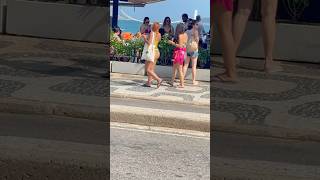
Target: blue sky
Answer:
[[172, 8]]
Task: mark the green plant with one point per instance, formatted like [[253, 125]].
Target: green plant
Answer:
[[166, 50], [126, 47], [204, 56]]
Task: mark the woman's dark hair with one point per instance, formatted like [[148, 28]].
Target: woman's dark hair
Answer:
[[185, 15], [145, 19], [161, 31], [116, 29], [191, 23], [165, 20]]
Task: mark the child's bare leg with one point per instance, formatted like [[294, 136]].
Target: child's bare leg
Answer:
[[181, 76]]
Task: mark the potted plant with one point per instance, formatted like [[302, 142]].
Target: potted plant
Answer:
[[166, 51], [204, 58]]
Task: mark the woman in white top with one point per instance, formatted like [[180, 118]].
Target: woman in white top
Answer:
[[151, 54]]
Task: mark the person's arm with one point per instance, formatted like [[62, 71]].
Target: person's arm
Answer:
[[175, 44]]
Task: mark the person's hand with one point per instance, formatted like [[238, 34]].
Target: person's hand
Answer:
[[171, 42], [144, 36]]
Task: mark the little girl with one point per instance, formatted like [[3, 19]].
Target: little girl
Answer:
[[179, 53]]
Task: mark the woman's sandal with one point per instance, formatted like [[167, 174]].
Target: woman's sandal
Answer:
[[159, 84], [146, 85], [171, 83]]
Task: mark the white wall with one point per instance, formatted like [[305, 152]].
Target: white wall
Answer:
[[57, 20]]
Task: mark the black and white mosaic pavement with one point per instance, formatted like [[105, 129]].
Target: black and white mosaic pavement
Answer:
[[28, 64], [88, 87], [7, 87], [58, 46], [306, 110], [245, 114], [135, 87], [304, 86], [5, 44]]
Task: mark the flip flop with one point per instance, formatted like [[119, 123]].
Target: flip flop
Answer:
[[219, 78], [146, 85], [159, 84], [170, 83]]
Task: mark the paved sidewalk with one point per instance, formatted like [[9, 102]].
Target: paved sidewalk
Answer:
[[284, 104], [131, 86], [53, 77], [68, 78]]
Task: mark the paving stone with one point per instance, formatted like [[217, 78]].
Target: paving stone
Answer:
[[186, 97], [88, 87], [306, 110], [304, 86], [5, 44], [58, 46], [245, 114], [8, 87]]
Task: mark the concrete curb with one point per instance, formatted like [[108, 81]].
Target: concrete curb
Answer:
[[120, 95], [152, 117], [13, 105], [33, 158], [267, 131], [231, 169], [160, 118]]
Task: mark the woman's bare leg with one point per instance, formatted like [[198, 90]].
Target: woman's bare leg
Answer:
[[181, 76], [174, 72], [240, 20], [268, 13], [194, 70], [225, 31], [186, 65], [150, 71]]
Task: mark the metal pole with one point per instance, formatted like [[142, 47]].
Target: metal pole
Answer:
[[115, 11]]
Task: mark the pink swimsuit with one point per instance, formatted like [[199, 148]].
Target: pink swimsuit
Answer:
[[179, 55], [227, 4]]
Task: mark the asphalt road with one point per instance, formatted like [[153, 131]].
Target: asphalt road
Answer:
[[143, 153], [52, 148], [137, 154]]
